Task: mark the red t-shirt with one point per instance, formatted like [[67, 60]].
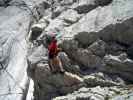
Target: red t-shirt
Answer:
[[53, 48]]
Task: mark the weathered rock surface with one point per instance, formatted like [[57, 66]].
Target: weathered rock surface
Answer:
[[67, 63], [106, 19], [119, 65], [16, 17], [99, 79], [98, 48], [86, 58], [48, 85], [82, 56], [115, 48], [14, 21], [36, 55], [38, 28], [88, 5], [85, 6], [85, 38], [99, 93], [70, 16], [5, 3]]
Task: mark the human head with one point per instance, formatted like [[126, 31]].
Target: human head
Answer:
[[54, 39]]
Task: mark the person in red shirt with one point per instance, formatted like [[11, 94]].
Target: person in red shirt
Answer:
[[54, 61]]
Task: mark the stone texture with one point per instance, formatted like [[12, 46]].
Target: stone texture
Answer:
[[87, 59], [67, 64], [70, 16], [38, 28], [121, 32], [98, 93], [103, 2], [99, 79], [119, 65], [85, 38], [109, 22], [51, 83], [15, 22], [115, 48], [36, 55], [84, 6], [66, 2], [82, 56], [98, 48]]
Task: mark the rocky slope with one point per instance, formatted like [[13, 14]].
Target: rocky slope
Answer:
[[96, 37]]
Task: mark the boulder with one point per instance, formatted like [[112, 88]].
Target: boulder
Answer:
[[98, 48], [67, 63], [70, 16], [120, 65], [55, 25], [42, 7], [66, 2], [69, 46], [87, 59], [84, 6], [82, 56], [120, 32], [38, 28], [85, 38], [35, 56], [57, 11], [49, 85]]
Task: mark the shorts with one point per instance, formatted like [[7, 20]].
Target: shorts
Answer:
[[51, 56]]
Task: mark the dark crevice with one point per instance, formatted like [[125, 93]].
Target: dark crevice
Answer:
[[103, 2], [5, 3]]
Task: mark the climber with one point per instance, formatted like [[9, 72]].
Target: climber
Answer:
[[54, 61]]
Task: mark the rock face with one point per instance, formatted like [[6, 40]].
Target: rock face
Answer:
[[14, 22], [96, 40], [15, 18]]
